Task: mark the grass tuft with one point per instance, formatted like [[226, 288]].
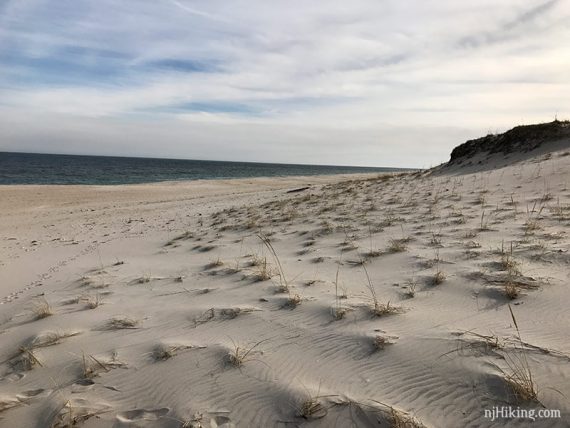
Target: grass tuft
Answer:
[[312, 408], [238, 356], [511, 290], [42, 309], [518, 374], [123, 323], [439, 277], [94, 302], [379, 309], [397, 246]]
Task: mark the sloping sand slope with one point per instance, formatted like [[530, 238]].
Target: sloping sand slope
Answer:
[[363, 301]]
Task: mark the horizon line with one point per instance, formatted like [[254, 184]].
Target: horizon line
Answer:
[[213, 160]]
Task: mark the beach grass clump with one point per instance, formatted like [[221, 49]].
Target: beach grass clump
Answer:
[[511, 290], [484, 222], [397, 245], [507, 262], [123, 323], [26, 359], [381, 342], [400, 419], [435, 240], [383, 309], [238, 355], [378, 308], [293, 301], [481, 199], [338, 313], [164, 352], [75, 413], [263, 271], [373, 253], [411, 286], [91, 367], [518, 374], [312, 408], [439, 277], [215, 263], [94, 301], [531, 225], [145, 279], [186, 235], [521, 381], [42, 309]]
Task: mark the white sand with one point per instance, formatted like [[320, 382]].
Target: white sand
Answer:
[[152, 287]]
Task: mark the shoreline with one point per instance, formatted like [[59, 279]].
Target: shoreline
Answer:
[[110, 171], [12, 194]]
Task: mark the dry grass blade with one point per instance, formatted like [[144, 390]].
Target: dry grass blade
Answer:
[[397, 418], [27, 360], [312, 408], [91, 366], [72, 415], [514, 321], [370, 287], [282, 278], [479, 343], [518, 374], [239, 356], [338, 312], [490, 341], [380, 309], [49, 338]]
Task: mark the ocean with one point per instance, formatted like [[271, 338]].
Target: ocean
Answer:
[[32, 168]]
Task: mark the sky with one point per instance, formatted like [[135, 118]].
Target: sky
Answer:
[[361, 82]]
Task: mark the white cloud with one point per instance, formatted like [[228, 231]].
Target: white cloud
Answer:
[[279, 80]]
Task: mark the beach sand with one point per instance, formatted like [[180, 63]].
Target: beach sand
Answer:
[[373, 300]]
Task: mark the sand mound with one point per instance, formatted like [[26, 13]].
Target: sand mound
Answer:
[[498, 150]]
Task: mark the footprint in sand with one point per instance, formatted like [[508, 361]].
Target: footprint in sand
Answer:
[[142, 415], [12, 377], [138, 415], [221, 422], [8, 402]]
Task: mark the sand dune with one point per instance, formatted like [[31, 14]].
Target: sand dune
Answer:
[[379, 300]]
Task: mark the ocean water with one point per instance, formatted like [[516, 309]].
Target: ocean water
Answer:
[[31, 168]]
